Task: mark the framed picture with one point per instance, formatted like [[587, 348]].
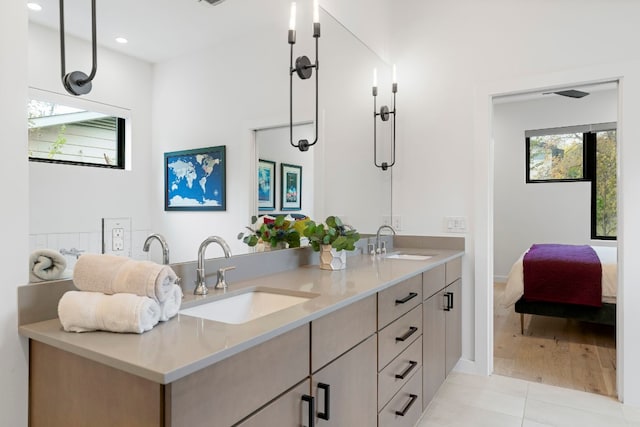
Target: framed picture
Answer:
[[291, 189], [266, 185], [195, 179]]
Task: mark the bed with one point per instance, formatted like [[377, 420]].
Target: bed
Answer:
[[602, 313]]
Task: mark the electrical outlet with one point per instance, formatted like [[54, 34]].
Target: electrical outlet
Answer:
[[455, 224], [396, 222], [117, 239], [386, 220], [116, 236]]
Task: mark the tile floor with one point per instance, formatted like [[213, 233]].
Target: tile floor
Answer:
[[496, 401]]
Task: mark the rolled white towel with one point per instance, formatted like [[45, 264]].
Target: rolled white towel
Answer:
[[171, 305], [46, 264], [94, 311], [112, 274]]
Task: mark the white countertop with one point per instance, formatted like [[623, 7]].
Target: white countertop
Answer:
[[186, 344]]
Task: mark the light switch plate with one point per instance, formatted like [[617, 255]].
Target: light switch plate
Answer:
[[116, 236]]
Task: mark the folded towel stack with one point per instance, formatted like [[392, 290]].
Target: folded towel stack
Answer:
[[95, 311], [46, 264], [119, 295]]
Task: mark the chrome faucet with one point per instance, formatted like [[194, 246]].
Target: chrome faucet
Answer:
[[201, 286], [379, 245], [163, 242]]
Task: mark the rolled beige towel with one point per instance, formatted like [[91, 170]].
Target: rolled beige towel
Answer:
[[112, 274], [171, 305], [46, 264], [94, 311]]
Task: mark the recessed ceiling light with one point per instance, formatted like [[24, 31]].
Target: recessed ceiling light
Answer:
[[34, 6], [122, 40]]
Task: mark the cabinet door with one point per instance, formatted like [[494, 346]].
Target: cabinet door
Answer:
[[345, 390], [454, 326], [433, 350], [290, 409]]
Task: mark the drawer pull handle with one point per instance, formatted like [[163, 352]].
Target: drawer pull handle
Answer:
[[408, 298], [327, 397], [447, 301], [412, 330], [309, 399], [413, 398], [450, 300], [403, 375]]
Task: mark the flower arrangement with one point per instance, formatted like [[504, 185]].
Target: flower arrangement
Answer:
[[273, 231], [333, 232]]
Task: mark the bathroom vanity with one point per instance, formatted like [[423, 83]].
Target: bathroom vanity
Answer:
[[369, 348]]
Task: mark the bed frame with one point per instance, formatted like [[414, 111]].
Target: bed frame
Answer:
[[605, 315]]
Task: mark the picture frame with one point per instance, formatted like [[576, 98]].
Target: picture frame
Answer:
[[291, 187], [195, 180], [266, 185]]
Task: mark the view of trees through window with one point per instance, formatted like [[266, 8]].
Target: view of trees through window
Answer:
[[606, 194], [556, 157], [580, 156]]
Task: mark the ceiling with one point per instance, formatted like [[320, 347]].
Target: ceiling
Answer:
[[158, 30]]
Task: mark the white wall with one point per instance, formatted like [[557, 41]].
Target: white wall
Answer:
[[219, 95], [15, 223], [68, 202], [449, 53], [525, 214]]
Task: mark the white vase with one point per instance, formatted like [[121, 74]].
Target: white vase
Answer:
[[331, 259]]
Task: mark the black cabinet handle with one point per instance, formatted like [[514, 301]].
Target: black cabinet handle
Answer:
[[447, 301], [412, 330], [403, 375], [409, 297], [450, 300], [327, 397], [309, 400], [412, 399]]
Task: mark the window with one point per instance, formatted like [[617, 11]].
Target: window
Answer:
[[579, 153], [556, 157], [63, 134]]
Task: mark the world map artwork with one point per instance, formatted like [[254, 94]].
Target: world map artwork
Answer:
[[195, 180]]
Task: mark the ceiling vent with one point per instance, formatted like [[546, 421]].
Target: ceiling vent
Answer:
[[213, 2], [571, 93]]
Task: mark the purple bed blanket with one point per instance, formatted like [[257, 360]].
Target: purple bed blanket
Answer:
[[567, 274]]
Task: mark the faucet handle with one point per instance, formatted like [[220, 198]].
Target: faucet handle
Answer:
[[222, 283]]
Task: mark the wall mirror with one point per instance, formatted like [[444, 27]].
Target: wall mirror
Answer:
[[197, 75]]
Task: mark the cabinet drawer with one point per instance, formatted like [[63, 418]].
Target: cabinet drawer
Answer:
[[337, 332], [235, 387], [395, 301], [433, 280], [287, 410], [405, 408], [453, 270], [397, 373], [399, 335]]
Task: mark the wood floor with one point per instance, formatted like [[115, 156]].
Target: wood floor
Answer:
[[560, 352]]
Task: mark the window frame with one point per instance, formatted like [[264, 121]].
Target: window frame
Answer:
[[123, 127], [589, 163]]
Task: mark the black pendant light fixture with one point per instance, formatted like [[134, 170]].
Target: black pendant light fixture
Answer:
[[384, 115], [303, 69], [77, 82]]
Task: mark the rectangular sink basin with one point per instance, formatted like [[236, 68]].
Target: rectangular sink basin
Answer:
[[246, 306], [412, 257]]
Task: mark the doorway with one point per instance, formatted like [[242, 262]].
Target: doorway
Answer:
[[555, 351]]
